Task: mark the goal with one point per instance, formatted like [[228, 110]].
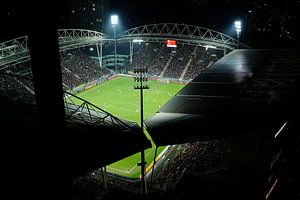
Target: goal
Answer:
[[163, 81]]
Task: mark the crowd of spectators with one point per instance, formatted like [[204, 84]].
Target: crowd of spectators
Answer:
[[88, 187], [199, 63], [16, 83], [200, 157], [78, 68], [91, 186], [157, 55], [147, 54], [196, 157], [179, 61], [202, 59], [160, 60]]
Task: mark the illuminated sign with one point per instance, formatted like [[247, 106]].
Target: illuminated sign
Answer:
[[171, 43]]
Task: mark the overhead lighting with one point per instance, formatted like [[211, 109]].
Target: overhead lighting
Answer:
[[114, 19], [209, 46], [137, 40], [278, 132], [238, 26]]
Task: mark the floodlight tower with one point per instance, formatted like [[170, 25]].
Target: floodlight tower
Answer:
[[114, 21], [140, 78], [238, 29]]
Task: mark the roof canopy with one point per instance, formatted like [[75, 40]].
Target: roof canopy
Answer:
[[183, 33], [97, 140], [247, 91]]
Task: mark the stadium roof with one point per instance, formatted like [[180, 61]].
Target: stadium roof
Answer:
[[247, 91], [183, 33], [17, 50], [90, 144]]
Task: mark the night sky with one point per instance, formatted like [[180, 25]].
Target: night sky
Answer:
[[193, 11], [189, 12], [263, 21]]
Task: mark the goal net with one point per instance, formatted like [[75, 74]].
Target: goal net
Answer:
[[163, 81]]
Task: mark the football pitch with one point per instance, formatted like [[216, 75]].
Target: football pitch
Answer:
[[118, 97]]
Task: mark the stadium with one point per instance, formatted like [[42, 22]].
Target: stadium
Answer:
[[193, 77], [111, 87]]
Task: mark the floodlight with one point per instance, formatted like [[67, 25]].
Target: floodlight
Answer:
[[238, 28], [209, 46], [137, 40], [238, 25], [114, 19]]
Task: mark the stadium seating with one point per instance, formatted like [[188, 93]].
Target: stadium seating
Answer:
[[200, 157], [78, 68], [16, 83], [170, 62]]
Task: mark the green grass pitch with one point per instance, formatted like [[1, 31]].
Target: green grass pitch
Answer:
[[119, 98]]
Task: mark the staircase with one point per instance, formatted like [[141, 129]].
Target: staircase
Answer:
[[166, 66], [188, 63]]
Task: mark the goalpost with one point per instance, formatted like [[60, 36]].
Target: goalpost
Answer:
[[163, 81]]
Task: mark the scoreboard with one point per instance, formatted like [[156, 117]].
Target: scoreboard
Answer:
[[171, 43]]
